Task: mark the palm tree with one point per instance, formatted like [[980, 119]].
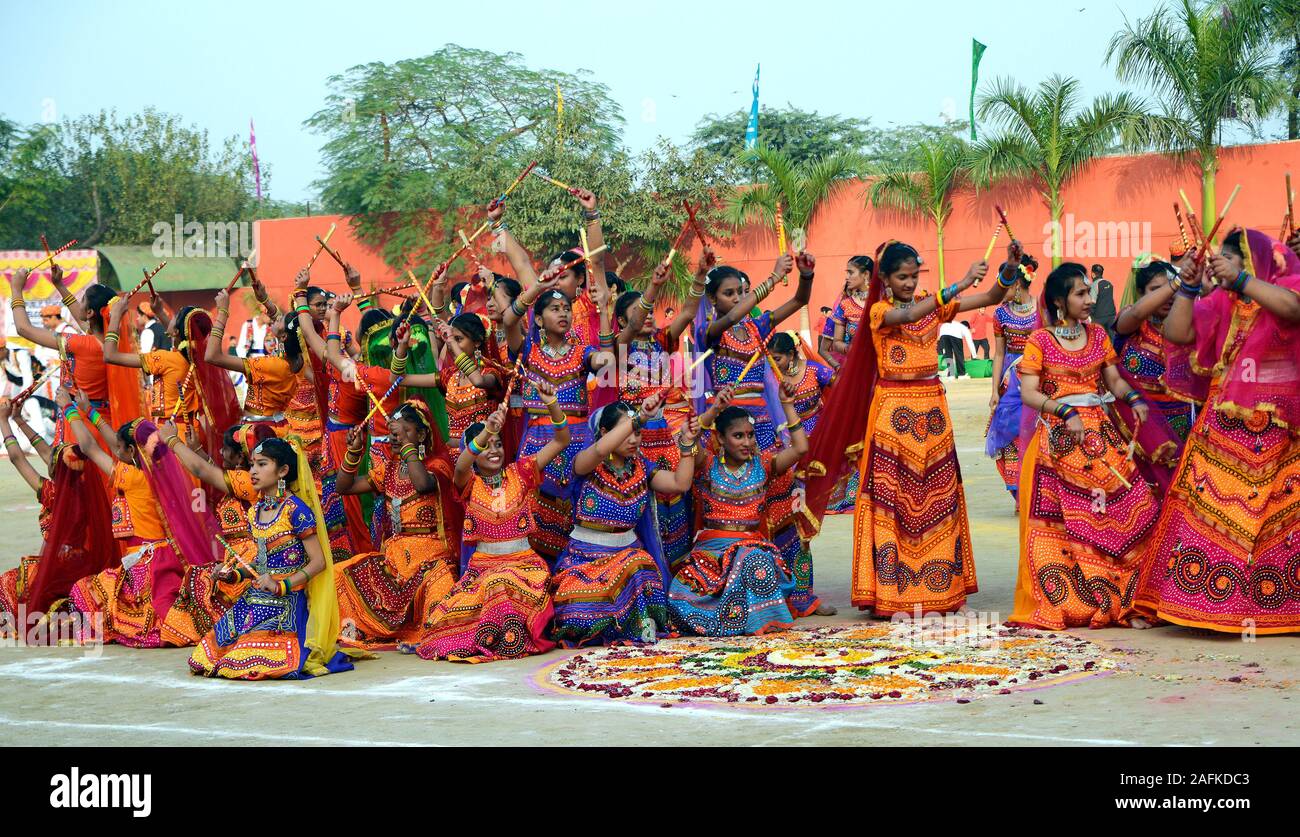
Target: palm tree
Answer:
[[923, 185], [1046, 139], [1207, 65], [803, 189]]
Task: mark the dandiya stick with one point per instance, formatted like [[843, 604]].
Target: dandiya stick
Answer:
[[332, 252], [695, 224], [420, 291], [780, 240], [321, 242], [988, 253], [551, 180], [1182, 230], [1005, 222], [681, 236], [699, 360], [50, 256], [1290, 199], [1209, 239], [35, 385], [472, 255], [1117, 474], [520, 179], [148, 275], [180, 396], [242, 267], [761, 353], [234, 556], [378, 291]]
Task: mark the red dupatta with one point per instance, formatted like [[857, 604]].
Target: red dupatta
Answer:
[[843, 422]]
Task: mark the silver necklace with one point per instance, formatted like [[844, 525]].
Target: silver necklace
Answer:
[[1022, 308], [901, 304], [1068, 332]]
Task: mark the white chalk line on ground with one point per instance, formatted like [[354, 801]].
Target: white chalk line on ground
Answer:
[[444, 689], [279, 737]]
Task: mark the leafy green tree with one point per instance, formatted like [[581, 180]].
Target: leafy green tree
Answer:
[[923, 184], [108, 179], [1046, 140], [422, 139], [1207, 65], [801, 135]]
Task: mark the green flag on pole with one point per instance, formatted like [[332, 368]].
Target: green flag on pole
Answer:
[[976, 53]]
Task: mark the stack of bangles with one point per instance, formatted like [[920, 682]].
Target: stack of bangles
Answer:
[[364, 304], [476, 447], [69, 300], [408, 451], [517, 309], [591, 214], [606, 339], [1065, 412], [1239, 284], [555, 422], [172, 441], [398, 365], [71, 413], [499, 227], [352, 461], [1133, 397], [11, 442], [466, 364], [948, 294], [646, 303], [1189, 291], [1005, 282], [333, 335], [18, 303], [694, 294], [687, 449], [112, 336], [761, 292]]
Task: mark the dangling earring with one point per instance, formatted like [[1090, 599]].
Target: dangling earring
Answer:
[[724, 459], [279, 486], [421, 451]]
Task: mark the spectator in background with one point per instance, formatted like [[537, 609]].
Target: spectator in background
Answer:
[[52, 319], [979, 332], [951, 337], [153, 335], [252, 336], [18, 375], [1103, 300]]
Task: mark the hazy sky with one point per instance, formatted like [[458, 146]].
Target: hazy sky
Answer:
[[666, 64]]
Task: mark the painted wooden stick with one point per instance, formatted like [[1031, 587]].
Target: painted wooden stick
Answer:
[[50, 256], [147, 276], [472, 255], [520, 179], [180, 396], [551, 180], [321, 242], [988, 253], [780, 240], [35, 385], [242, 267], [695, 224], [332, 252], [1182, 230], [699, 360], [1117, 474], [401, 287], [1290, 200], [1209, 239], [1005, 222], [761, 353], [681, 236], [234, 556]]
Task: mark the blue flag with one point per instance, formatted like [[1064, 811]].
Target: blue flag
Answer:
[[751, 132]]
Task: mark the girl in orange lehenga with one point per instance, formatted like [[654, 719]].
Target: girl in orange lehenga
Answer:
[[1085, 511], [1226, 553], [912, 541], [383, 594]]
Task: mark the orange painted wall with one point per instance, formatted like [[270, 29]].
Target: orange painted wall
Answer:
[[1127, 189]]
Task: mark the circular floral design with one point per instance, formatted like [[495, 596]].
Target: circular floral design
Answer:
[[1268, 588], [855, 665], [935, 422], [1094, 446], [897, 355]]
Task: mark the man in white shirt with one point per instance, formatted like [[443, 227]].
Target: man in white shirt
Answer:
[[52, 319], [17, 365], [252, 336], [951, 336]]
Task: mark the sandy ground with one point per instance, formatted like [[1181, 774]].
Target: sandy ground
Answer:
[[1174, 687]]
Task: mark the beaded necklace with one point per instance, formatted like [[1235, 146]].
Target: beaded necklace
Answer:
[[1068, 332]]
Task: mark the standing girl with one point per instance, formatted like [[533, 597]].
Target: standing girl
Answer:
[[1013, 321], [1086, 514]]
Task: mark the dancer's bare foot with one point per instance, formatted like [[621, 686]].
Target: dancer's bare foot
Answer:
[[824, 609], [1138, 623]]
